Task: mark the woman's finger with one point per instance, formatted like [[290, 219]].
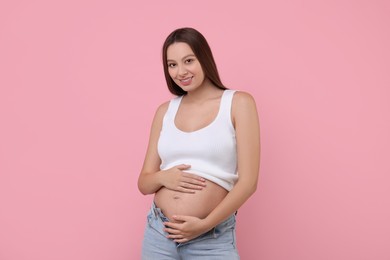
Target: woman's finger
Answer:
[[181, 240], [193, 176], [174, 226], [183, 166], [184, 190], [172, 231], [175, 236], [190, 186]]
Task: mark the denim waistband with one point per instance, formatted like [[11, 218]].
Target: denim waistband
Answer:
[[158, 213]]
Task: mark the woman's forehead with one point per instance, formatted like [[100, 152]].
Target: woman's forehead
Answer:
[[178, 50]]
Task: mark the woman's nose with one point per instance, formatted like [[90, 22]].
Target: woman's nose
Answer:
[[183, 71]]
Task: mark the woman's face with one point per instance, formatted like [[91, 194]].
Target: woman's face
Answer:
[[183, 66]]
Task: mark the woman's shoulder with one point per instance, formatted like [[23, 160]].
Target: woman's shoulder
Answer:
[[242, 98], [162, 109], [244, 110]]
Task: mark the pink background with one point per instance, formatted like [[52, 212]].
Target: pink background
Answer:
[[80, 81]]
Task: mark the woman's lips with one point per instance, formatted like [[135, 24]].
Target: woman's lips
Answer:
[[186, 81]]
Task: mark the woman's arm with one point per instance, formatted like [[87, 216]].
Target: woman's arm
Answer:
[[245, 119], [151, 178], [148, 180]]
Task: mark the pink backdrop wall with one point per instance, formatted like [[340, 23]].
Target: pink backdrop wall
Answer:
[[79, 84]]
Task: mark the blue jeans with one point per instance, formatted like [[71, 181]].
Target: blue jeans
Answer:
[[217, 244]]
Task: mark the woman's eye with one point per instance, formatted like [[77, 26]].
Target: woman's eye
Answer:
[[189, 60], [171, 65]]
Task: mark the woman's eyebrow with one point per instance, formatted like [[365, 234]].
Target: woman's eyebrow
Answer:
[[189, 55], [185, 57]]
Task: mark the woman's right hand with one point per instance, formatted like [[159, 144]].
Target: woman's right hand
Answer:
[[176, 179]]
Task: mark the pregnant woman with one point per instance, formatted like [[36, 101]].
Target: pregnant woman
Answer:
[[202, 160]]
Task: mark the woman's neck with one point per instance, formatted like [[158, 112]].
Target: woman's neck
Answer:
[[204, 92]]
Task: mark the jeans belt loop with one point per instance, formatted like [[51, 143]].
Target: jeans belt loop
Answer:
[[214, 234], [155, 212]]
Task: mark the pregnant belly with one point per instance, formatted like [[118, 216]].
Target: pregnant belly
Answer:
[[198, 204]]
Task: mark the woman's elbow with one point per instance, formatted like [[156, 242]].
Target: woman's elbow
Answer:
[[143, 191], [142, 187], [252, 188], [249, 187]]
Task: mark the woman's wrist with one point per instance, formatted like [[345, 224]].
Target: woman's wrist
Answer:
[[207, 224], [160, 179]]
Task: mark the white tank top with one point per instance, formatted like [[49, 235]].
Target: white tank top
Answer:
[[211, 151]]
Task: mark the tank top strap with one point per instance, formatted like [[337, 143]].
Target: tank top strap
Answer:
[[226, 104], [172, 110]]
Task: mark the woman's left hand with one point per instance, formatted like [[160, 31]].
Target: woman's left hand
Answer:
[[188, 228]]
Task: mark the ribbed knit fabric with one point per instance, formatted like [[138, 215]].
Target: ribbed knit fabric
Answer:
[[211, 151]]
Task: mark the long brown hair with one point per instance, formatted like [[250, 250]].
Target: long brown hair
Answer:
[[202, 51]]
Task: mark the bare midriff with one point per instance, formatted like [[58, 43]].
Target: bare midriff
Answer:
[[198, 204]]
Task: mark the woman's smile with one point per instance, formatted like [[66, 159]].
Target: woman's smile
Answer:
[[186, 81]]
